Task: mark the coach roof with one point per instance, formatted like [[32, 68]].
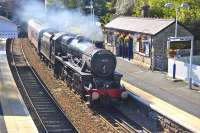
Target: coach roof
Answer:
[[150, 26]]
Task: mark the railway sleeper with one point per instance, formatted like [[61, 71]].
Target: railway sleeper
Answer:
[[46, 108], [48, 111], [40, 97], [61, 130], [42, 102], [52, 122]]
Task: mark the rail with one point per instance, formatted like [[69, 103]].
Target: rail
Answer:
[[120, 122], [46, 109]]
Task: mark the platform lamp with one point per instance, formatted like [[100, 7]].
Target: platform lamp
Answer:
[[171, 6], [92, 10]]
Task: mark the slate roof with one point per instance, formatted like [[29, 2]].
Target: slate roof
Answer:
[[4, 19], [150, 26], [6, 25]]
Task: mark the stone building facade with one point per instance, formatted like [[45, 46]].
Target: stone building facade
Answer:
[[147, 38], [159, 56]]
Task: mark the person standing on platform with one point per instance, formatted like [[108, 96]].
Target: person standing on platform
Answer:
[[123, 45], [126, 41], [117, 44], [130, 47], [120, 40]]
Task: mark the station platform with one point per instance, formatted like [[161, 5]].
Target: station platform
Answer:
[[14, 116], [172, 99]]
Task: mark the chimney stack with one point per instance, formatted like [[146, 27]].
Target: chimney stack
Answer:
[[145, 10]]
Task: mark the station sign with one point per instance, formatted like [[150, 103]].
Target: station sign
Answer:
[[178, 46]]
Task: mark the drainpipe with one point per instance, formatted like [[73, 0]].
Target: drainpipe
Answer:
[[151, 54], [190, 69]]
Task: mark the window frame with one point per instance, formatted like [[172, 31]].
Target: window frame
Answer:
[[142, 43]]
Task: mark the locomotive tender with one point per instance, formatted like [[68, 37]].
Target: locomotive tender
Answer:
[[88, 69]]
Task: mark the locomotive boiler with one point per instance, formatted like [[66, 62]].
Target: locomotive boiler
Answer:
[[100, 62], [89, 70]]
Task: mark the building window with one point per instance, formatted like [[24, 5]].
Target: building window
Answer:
[[108, 38], [144, 48], [143, 45]]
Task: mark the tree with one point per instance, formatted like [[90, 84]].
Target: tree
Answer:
[[190, 18], [108, 13], [70, 3], [157, 9]]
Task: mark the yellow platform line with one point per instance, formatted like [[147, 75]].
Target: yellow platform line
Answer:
[[177, 115]]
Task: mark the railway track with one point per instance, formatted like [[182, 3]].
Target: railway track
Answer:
[[49, 115], [116, 122], [121, 123], [109, 116]]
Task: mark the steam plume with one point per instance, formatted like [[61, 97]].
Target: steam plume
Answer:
[[64, 20]]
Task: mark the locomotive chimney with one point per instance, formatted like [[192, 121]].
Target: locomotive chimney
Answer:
[[145, 10]]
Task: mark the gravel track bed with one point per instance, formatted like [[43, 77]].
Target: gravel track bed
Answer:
[[83, 117]]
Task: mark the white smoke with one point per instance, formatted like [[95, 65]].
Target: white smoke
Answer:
[[64, 20]]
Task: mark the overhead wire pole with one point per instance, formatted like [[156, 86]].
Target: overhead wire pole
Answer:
[[92, 13]]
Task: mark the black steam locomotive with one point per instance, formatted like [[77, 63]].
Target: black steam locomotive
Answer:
[[88, 69]]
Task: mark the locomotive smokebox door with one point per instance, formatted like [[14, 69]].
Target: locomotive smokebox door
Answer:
[[103, 63]]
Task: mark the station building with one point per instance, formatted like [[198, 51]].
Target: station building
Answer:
[[142, 40], [7, 29]]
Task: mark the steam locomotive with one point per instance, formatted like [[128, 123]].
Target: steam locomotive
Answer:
[[89, 70]]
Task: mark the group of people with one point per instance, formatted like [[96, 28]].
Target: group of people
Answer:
[[123, 43]]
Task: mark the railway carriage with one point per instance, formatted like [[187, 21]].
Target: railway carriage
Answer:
[[89, 70], [35, 30]]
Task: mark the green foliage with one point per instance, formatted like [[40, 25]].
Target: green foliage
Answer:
[[50, 2], [107, 17], [109, 5], [63, 3], [69, 3], [157, 9], [103, 9]]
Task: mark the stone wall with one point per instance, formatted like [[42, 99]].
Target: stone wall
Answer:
[[159, 48], [142, 60]]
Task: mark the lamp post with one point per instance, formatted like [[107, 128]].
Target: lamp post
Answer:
[[186, 6], [171, 5]]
